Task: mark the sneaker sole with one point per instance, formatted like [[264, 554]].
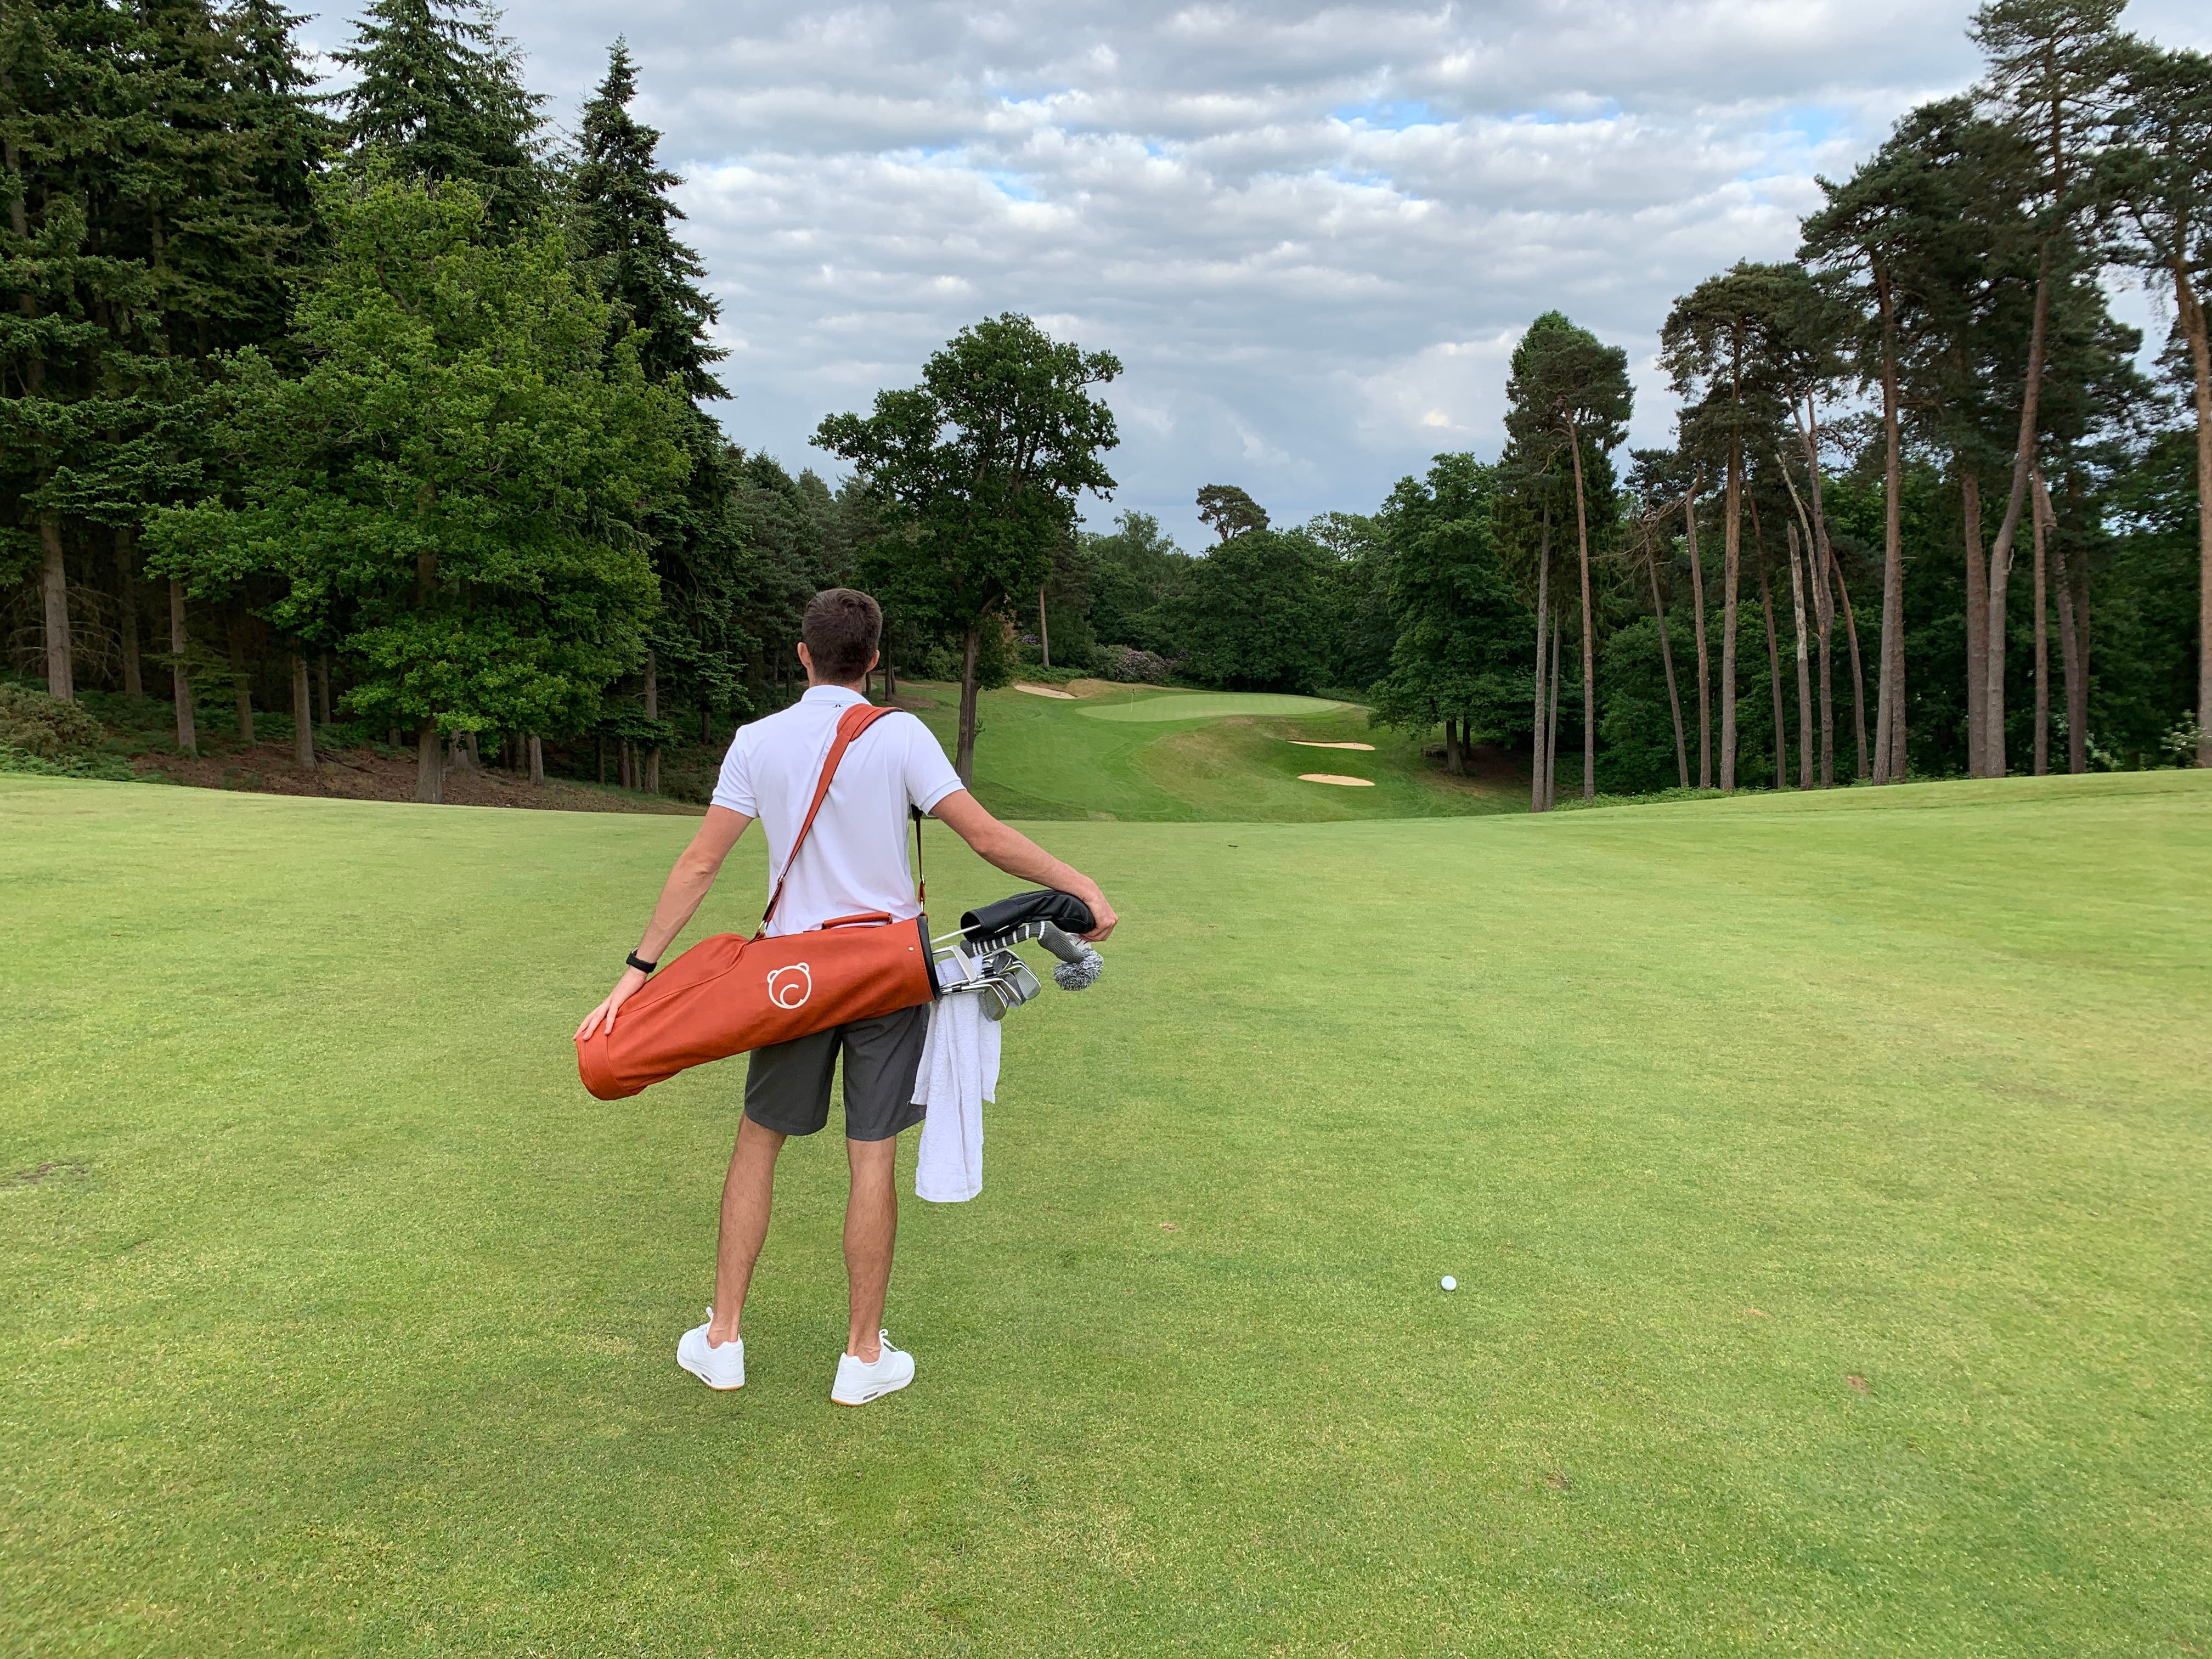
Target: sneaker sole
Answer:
[[869, 1400], [719, 1388]]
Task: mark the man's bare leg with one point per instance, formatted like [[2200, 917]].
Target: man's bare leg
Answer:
[[745, 1193], [871, 1229]]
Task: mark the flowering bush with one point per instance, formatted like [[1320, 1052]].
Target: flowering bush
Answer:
[[1135, 667]]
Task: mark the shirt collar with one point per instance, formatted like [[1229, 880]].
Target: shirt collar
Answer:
[[835, 697]]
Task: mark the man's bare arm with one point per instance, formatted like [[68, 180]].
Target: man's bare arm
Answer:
[[1018, 856], [695, 871]]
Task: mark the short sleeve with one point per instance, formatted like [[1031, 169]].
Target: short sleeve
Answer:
[[734, 789], [929, 776]]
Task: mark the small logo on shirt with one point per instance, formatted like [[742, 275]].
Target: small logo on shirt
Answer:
[[789, 988]]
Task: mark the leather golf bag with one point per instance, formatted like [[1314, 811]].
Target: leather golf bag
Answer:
[[728, 994]]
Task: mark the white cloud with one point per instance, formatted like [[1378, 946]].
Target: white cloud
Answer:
[[1312, 234]]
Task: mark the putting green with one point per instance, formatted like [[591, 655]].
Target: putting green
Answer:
[[1211, 705], [1824, 1177]]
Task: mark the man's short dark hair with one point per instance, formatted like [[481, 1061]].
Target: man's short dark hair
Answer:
[[842, 627]]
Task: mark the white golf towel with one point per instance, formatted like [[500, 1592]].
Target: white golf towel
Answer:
[[959, 1072]]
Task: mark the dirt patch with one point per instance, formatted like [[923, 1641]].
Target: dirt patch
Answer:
[[46, 1172], [1045, 691], [1091, 688], [1337, 778], [1313, 743], [364, 775]]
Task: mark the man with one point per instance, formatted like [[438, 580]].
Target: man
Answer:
[[854, 860]]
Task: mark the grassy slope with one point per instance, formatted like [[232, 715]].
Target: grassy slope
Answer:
[[342, 1321], [1041, 757]]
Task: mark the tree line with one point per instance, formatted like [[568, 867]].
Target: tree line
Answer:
[[1821, 579], [399, 402], [383, 403]]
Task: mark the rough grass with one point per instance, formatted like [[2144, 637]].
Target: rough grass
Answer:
[[1825, 1179]]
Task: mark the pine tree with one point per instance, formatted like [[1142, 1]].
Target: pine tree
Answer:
[[440, 97], [76, 314], [623, 215]]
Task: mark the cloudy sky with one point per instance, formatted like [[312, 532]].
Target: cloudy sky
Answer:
[[1312, 234]]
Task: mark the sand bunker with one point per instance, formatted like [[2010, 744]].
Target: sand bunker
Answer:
[[1309, 742], [1336, 778], [1045, 691]]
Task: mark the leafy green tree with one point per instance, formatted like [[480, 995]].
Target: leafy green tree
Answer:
[[1354, 592], [980, 467], [1570, 392], [1459, 656], [2156, 188], [439, 94], [1246, 618], [1230, 511], [456, 479], [1135, 568]]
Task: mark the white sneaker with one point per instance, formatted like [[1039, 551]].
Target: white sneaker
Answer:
[[718, 1367], [859, 1382]]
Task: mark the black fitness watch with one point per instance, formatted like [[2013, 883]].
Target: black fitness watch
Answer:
[[641, 967]]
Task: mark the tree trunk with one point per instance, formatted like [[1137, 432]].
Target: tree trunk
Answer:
[[971, 647], [537, 761], [652, 713], [1589, 633], [429, 765], [1889, 712], [1797, 609], [600, 753], [2041, 763], [1843, 603], [1667, 661], [241, 679], [323, 685], [2071, 658], [1977, 626], [1044, 634], [1774, 679], [1824, 560], [2190, 311], [1551, 724], [1538, 751], [181, 679], [891, 677], [1731, 571], [126, 594], [61, 678], [1698, 614], [2000, 550], [303, 716], [1453, 763]]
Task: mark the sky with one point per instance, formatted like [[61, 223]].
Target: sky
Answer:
[[1312, 234]]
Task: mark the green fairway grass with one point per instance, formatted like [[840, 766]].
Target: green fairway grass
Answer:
[[1185, 756], [1209, 705], [1826, 1178]]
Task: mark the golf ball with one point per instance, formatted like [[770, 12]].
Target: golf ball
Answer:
[[1449, 1282]]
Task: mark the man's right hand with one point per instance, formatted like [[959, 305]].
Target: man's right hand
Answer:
[[603, 1016], [1100, 912]]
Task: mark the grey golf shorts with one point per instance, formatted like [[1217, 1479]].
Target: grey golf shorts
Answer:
[[788, 1084]]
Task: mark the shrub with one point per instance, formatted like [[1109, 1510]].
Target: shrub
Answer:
[[1135, 667], [32, 723]]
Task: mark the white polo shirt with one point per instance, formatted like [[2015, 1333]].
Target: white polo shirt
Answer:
[[855, 857]]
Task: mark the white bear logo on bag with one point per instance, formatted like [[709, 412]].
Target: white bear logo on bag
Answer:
[[789, 988]]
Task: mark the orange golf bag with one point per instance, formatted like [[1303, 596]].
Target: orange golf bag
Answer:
[[727, 994]]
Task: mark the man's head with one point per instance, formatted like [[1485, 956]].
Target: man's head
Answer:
[[839, 635]]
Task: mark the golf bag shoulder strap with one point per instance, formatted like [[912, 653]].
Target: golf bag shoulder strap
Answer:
[[850, 724]]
